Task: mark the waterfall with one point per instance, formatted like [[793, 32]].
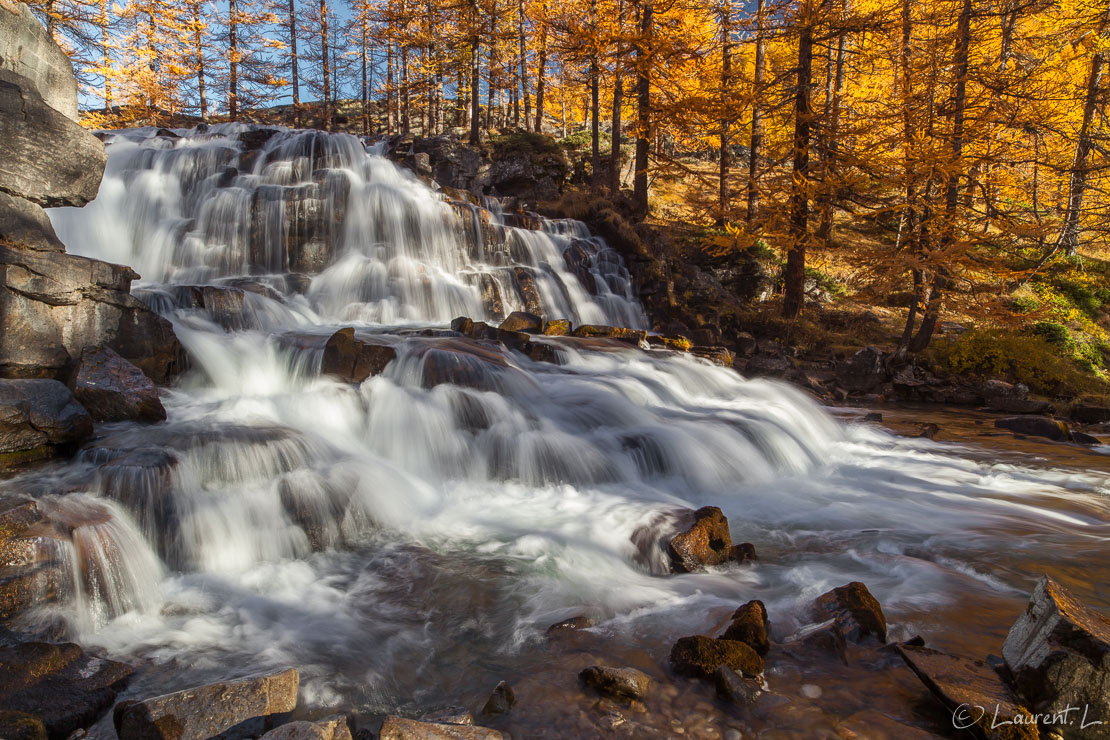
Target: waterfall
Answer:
[[382, 535]]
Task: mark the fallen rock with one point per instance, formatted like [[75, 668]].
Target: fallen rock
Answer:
[[112, 389], [750, 625], [399, 728], [973, 692], [700, 657], [1058, 652], [706, 541], [1035, 426], [854, 610], [240, 708], [59, 684], [522, 321], [737, 688], [501, 699], [49, 159], [616, 683], [353, 359], [37, 417], [329, 728]]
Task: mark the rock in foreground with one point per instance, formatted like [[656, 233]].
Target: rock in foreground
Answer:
[[241, 708], [617, 683], [750, 625], [60, 685], [329, 728], [398, 728], [1059, 654], [36, 418], [705, 542], [855, 610], [112, 389], [700, 657]]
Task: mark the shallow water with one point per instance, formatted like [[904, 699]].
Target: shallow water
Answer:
[[406, 545]]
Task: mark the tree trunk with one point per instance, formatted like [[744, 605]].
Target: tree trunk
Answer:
[[756, 145], [475, 79], [726, 106], [389, 88], [365, 89], [233, 61], [541, 73], [952, 183], [1077, 173], [106, 49], [524, 68], [199, 50], [295, 76], [832, 143], [324, 47], [643, 107], [794, 278]]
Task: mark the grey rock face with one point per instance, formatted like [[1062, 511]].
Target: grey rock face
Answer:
[[27, 49], [24, 223], [48, 159], [39, 414]]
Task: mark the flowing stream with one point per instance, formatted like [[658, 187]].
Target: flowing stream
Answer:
[[406, 543]]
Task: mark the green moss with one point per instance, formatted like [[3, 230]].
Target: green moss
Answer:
[[523, 143]]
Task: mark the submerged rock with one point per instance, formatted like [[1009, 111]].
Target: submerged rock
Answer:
[[1058, 652], [399, 728], [973, 692], [501, 699], [573, 624], [62, 686], [750, 625], [240, 708], [617, 683], [735, 687], [354, 359], [112, 389], [855, 611], [700, 657], [706, 541]]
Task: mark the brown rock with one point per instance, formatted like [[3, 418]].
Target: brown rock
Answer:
[[616, 683], [240, 708], [329, 728], [700, 656], [501, 699], [355, 359], [856, 611], [750, 625], [557, 328], [705, 542], [1035, 426], [743, 553], [398, 728], [21, 726], [973, 692], [1059, 654], [632, 336], [112, 389], [573, 624], [522, 321], [736, 688]]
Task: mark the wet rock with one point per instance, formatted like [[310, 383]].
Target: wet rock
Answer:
[[464, 363], [578, 257], [572, 624], [705, 541], [874, 725], [21, 726], [854, 610], [517, 341], [37, 417], [239, 708], [632, 336], [462, 324], [616, 683], [56, 304], [716, 355], [450, 716], [736, 688], [501, 699], [255, 137], [676, 343], [973, 692], [112, 389], [557, 328], [493, 302], [49, 159], [1035, 426], [1058, 652], [543, 352], [750, 625], [522, 321], [398, 728], [700, 657], [826, 638], [1086, 413], [524, 281], [60, 684], [329, 728], [354, 359], [743, 553], [1085, 439], [863, 371]]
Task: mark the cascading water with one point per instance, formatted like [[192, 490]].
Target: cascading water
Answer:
[[407, 541]]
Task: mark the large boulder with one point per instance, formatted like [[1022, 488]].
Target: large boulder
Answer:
[[60, 685], [242, 708], [36, 418], [27, 49], [1035, 426], [26, 224], [1058, 652], [750, 625], [700, 657], [48, 158], [355, 359], [704, 541], [973, 692], [112, 389], [53, 305]]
